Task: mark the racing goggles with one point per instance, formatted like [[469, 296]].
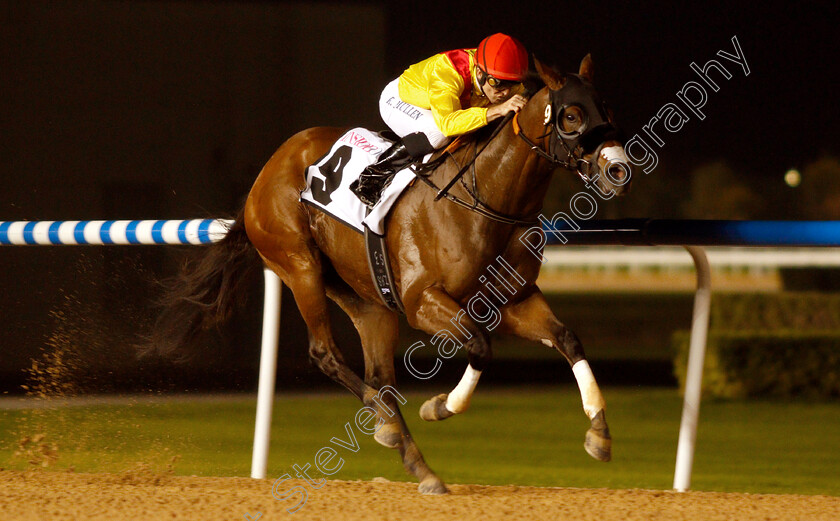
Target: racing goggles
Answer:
[[498, 84]]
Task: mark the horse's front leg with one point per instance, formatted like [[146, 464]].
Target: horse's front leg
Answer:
[[533, 319], [438, 314]]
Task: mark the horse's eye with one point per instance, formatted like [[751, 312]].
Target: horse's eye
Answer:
[[571, 117]]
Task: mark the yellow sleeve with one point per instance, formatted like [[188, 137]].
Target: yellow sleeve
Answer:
[[434, 84], [445, 85]]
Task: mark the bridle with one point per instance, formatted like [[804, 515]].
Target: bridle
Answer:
[[571, 162], [597, 125]]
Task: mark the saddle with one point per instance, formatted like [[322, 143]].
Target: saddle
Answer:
[[328, 189]]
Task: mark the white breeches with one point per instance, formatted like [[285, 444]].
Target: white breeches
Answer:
[[405, 118]]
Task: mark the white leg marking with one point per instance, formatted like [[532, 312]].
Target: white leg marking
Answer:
[[459, 399], [590, 394]]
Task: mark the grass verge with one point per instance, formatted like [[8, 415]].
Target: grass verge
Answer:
[[510, 436]]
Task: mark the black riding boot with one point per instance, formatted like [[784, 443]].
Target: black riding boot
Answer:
[[368, 188]]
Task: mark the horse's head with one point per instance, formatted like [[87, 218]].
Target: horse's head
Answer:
[[583, 135]]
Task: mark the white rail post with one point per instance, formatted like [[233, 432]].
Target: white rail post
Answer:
[[694, 374], [268, 373]]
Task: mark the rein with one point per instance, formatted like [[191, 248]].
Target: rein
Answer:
[[466, 167], [486, 211], [572, 163], [478, 206]]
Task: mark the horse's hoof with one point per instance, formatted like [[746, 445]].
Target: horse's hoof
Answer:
[[435, 409], [598, 443], [432, 485], [388, 435], [597, 446]]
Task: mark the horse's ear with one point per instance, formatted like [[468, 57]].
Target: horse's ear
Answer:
[[587, 71], [552, 78]]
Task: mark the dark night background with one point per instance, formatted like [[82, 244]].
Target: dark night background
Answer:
[[163, 109]]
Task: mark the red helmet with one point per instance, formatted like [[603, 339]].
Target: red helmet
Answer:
[[502, 57]]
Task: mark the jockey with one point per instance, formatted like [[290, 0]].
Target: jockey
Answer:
[[449, 94]]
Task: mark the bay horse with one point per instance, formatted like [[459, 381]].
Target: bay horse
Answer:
[[437, 252]]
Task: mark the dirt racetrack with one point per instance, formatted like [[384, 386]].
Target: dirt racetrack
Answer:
[[141, 494]]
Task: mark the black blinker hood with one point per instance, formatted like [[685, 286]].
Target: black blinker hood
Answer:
[[597, 126]]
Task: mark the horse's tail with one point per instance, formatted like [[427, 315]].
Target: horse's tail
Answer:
[[203, 294]]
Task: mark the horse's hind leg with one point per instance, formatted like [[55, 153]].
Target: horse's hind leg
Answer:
[[379, 333], [306, 282]]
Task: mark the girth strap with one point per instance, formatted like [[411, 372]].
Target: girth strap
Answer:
[[380, 270]]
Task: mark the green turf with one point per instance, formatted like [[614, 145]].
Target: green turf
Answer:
[[512, 436]]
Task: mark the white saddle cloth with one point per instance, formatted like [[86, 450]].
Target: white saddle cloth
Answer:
[[328, 181]]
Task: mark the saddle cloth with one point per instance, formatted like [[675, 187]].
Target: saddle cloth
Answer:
[[328, 181]]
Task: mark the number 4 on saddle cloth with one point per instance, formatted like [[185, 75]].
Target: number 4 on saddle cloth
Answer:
[[328, 181], [328, 189]]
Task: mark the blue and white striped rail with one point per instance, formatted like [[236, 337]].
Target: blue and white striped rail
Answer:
[[72, 233]]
